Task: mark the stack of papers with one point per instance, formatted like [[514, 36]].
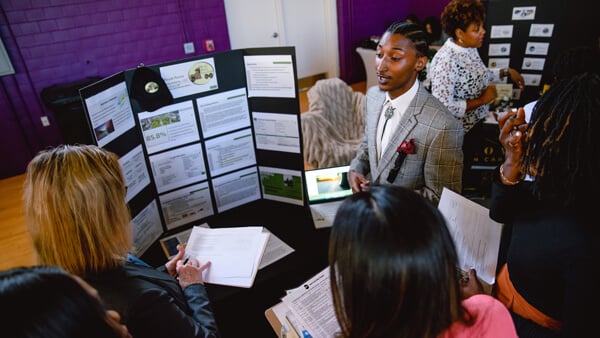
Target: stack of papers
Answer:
[[234, 253], [274, 251], [308, 309]]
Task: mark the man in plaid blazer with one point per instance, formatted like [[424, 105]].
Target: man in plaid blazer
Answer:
[[410, 138]]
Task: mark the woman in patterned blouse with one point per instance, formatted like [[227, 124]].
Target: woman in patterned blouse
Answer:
[[458, 76]]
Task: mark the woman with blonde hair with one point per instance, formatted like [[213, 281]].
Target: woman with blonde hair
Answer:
[[74, 202]]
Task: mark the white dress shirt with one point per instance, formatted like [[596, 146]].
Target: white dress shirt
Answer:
[[399, 104]]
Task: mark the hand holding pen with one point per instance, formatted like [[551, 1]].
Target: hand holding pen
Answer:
[[187, 270], [190, 272]]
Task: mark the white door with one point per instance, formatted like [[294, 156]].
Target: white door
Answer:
[[252, 23], [308, 25]]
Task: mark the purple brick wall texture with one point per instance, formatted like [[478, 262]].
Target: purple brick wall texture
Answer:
[[62, 41]]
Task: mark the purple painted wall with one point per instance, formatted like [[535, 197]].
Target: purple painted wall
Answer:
[[425, 8], [360, 19], [61, 41]]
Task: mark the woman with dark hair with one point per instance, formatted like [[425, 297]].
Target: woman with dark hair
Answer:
[[47, 302], [546, 191], [435, 34], [459, 78], [393, 271], [410, 138]]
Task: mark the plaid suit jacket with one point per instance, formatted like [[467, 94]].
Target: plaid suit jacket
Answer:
[[438, 137]]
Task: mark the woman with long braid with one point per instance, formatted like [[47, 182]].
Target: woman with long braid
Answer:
[[554, 250]]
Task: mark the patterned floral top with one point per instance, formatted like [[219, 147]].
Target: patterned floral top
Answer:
[[457, 74]]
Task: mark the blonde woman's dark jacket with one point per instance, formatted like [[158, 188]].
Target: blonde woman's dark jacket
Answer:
[[152, 304]]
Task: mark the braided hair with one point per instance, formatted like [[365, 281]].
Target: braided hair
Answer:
[[562, 149], [414, 33], [576, 60]]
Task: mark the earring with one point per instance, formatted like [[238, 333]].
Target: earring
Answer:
[[460, 40]]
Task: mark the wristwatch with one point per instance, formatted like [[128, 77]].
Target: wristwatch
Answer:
[[505, 72]]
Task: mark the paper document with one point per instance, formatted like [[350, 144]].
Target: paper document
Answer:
[[476, 235], [235, 253], [323, 214], [276, 250], [270, 76], [311, 307]]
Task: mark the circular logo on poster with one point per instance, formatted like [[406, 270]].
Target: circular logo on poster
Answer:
[[201, 73], [151, 87]]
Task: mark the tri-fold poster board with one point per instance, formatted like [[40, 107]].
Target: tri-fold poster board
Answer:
[[227, 134]]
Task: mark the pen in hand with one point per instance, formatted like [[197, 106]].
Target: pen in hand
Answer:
[[184, 262]]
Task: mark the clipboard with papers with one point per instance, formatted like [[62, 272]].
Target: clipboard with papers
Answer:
[[306, 311], [235, 253]]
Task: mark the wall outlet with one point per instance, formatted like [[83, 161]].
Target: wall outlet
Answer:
[[45, 121], [209, 45], [188, 48]]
